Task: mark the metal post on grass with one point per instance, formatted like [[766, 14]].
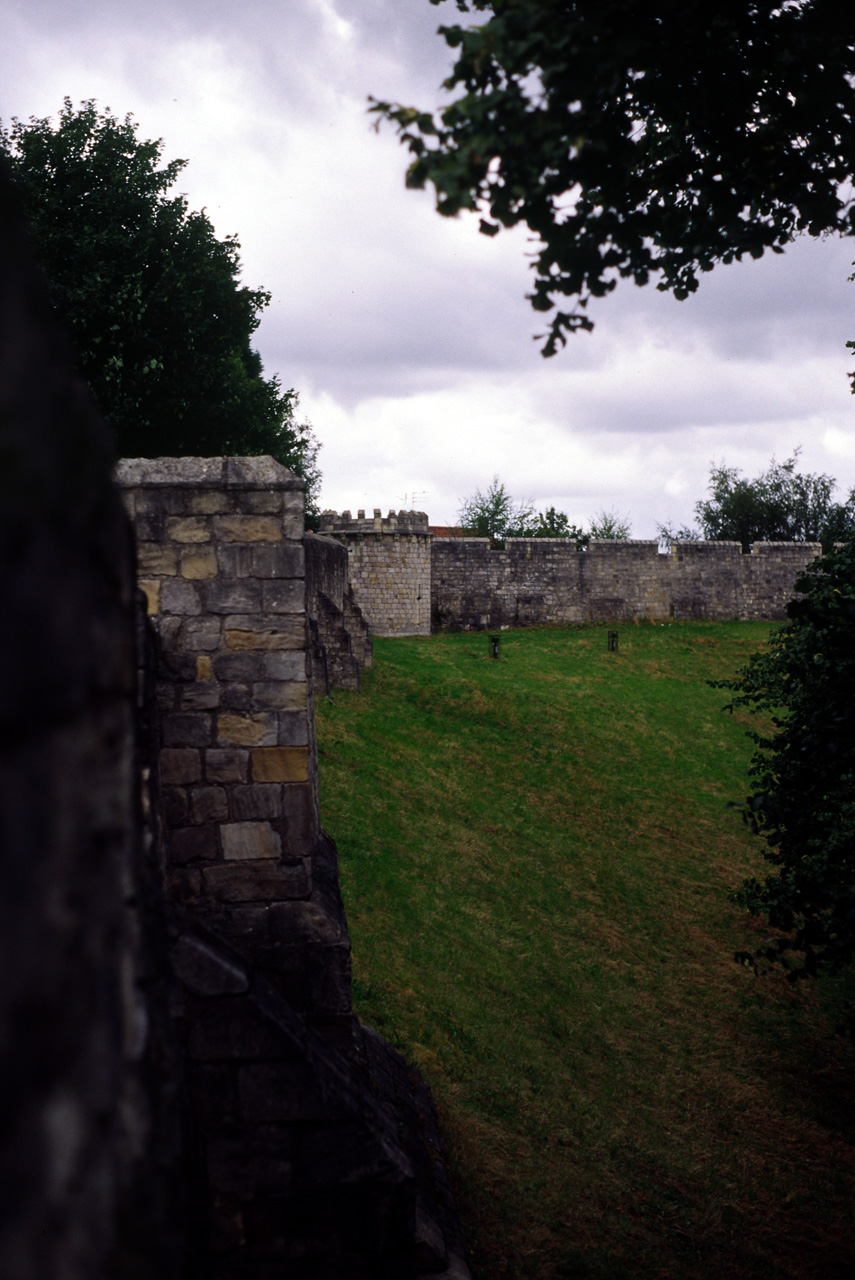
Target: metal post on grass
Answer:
[[494, 646], [613, 641]]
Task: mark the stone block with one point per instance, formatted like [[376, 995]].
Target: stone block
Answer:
[[238, 666], [199, 697], [237, 528], [176, 807], [180, 597], [286, 560], [180, 765], [299, 923], [237, 560], [201, 634], [187, 729], [156, 559], [204, 668], [284, 666], [257, 634], [261, 502], [199, 564], [256, 800], [183, 885], [208, 804], [293, 729], [280, 764], [259, 730], [298, 806], [188, 529], [233, 597], [248, 1163], [257, 882], [208, 503], [284, 595], [193, 844], [285, 695], [236, 697], [226, 764], [249, 840]]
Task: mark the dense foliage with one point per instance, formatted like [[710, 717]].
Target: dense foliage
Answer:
[[780, 505], [151, 297], [657, 139], [803, 772]]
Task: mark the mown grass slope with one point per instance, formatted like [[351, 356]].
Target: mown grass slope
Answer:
[[535, 858]]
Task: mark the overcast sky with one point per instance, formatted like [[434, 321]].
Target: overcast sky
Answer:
[[408, 335]]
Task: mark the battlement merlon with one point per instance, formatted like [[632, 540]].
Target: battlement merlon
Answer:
[[397, 522]]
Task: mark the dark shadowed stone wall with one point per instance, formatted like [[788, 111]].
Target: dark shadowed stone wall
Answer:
[[90, 1138], [339, 640]]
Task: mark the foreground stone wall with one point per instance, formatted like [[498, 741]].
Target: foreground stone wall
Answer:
[[550, 581], [389, 568], [91, 1142]]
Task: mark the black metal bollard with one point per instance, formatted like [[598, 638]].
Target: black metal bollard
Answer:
[[494, 646], [613, 641]]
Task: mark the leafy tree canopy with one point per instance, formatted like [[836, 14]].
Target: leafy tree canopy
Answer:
[[803, 773], [646, 139], [496, 515], [780, 505], [151, 297]]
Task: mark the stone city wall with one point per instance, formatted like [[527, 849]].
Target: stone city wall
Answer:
[[390, 568], [549, 581]]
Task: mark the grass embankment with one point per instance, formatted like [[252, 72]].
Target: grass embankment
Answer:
[[535, 856]]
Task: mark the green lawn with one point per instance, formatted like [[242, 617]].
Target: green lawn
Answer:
[[535, 857]]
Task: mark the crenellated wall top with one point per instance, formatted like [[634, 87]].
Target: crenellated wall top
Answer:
[[396, 522]]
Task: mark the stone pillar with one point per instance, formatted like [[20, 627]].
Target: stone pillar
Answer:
[[221, 561]]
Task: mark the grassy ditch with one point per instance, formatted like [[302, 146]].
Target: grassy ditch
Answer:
[[535, 855]]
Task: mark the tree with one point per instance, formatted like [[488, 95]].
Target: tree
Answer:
[[495, 514], [150, 296], [803, 771], [652, 139], [610, 524], [781, 505]]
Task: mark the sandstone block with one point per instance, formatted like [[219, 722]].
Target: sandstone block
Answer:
[[258, 730], [180, 765], [245, 841], [208, 503], [256, 634], [248, 528], [200, 564], [156, 558], [188, 529], [262, 501], [150, 588], [280, 764], [204, 667]]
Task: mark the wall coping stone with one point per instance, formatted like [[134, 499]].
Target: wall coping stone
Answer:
[[205, 473]]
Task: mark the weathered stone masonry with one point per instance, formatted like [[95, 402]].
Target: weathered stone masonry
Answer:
[[552, 581]]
